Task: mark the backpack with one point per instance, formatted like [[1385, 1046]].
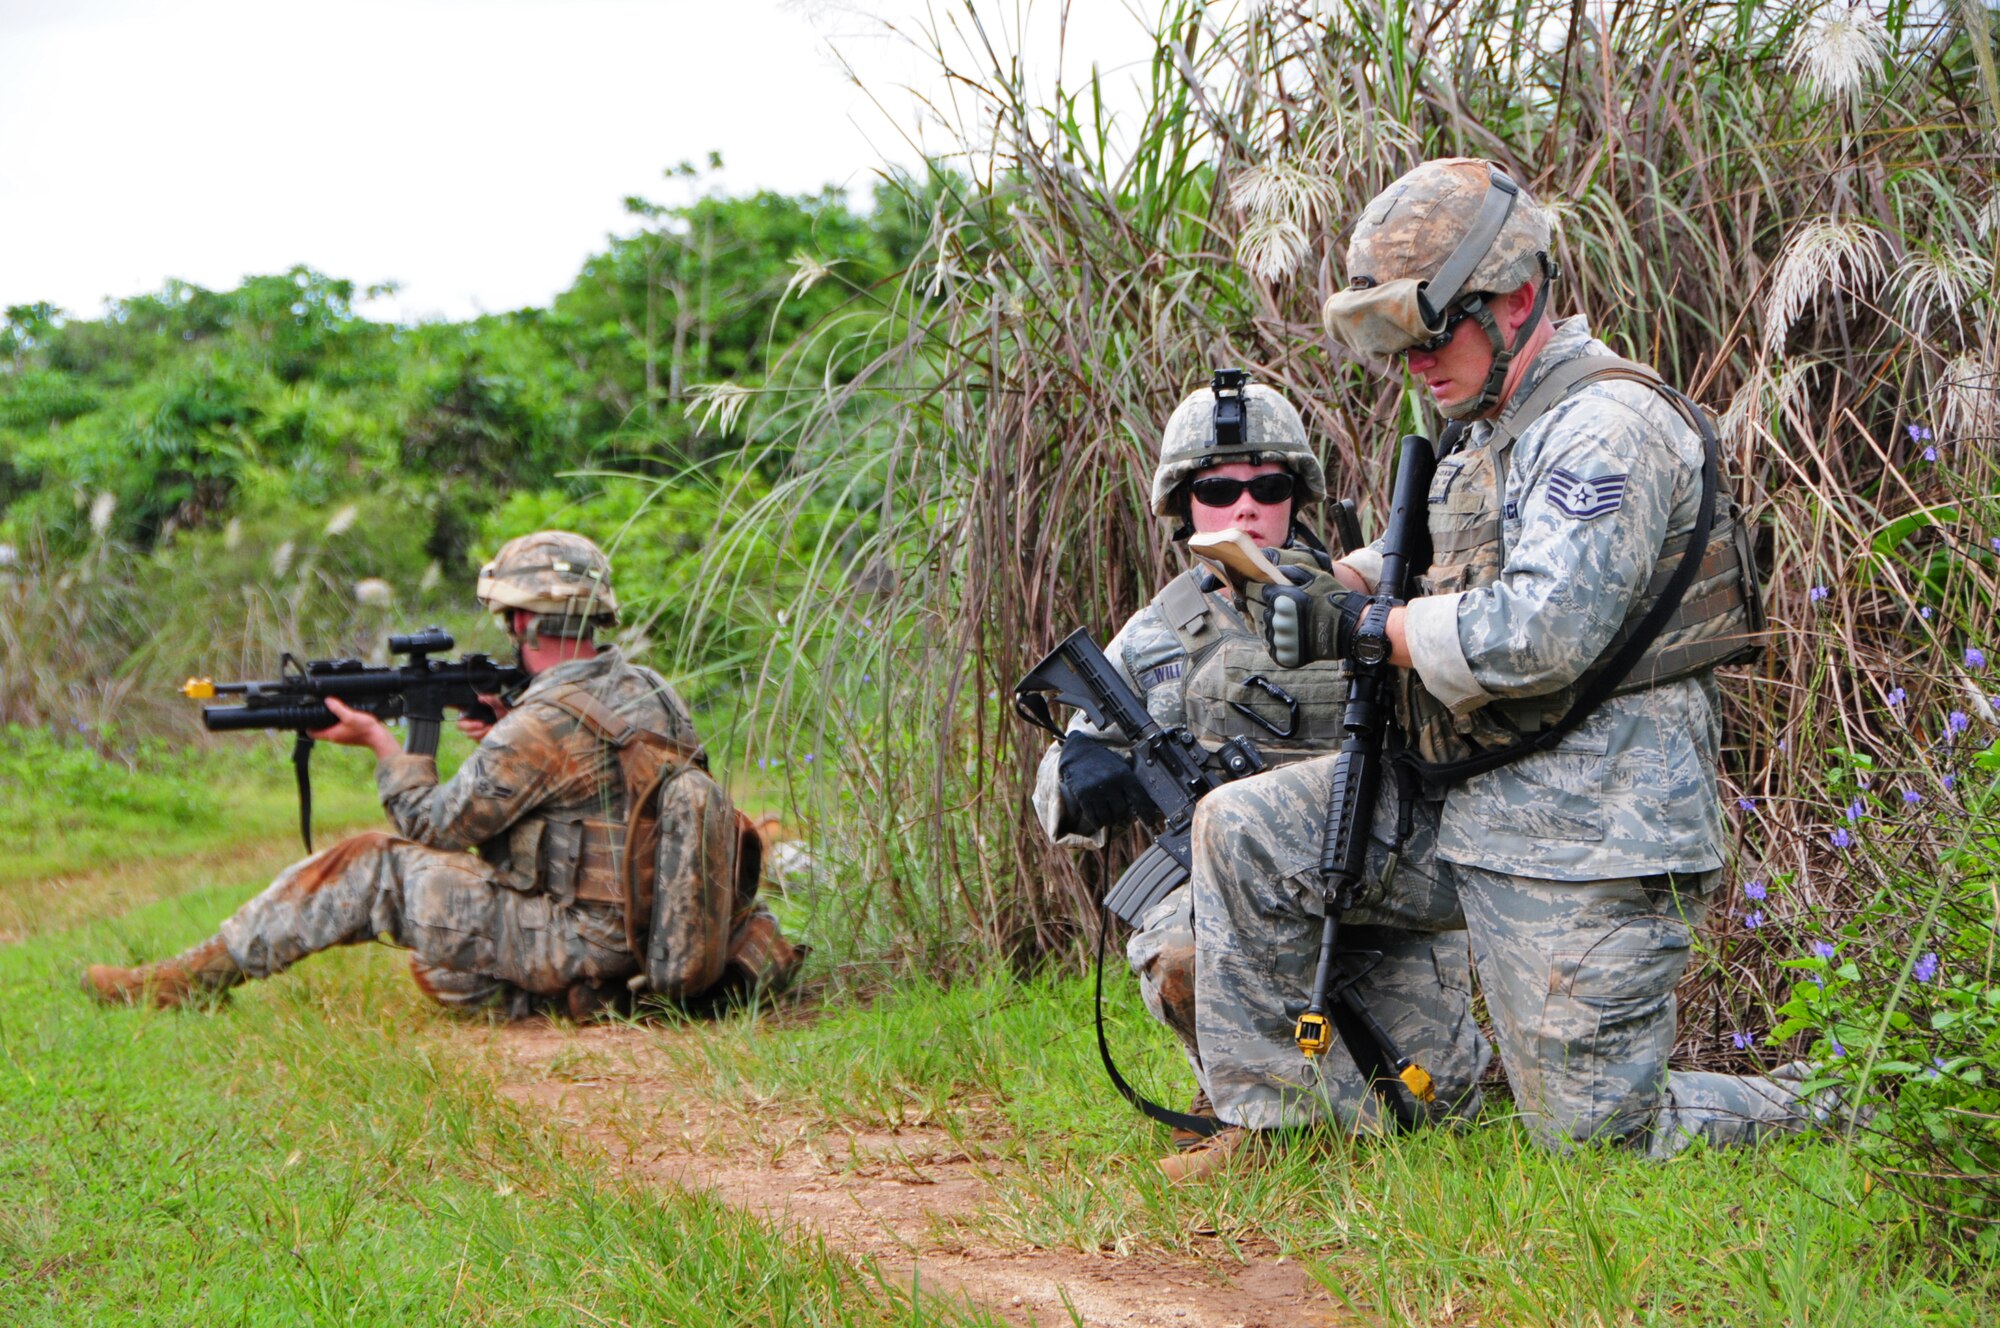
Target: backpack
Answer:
[[692, 919]]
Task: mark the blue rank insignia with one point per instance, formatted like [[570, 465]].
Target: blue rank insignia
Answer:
[[1585, 498]]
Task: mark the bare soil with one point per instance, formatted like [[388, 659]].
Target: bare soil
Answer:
[[911, 1198]]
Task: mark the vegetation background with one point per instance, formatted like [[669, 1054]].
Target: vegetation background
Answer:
[[860, 465]]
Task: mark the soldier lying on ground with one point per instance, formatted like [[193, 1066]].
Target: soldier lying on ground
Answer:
[[537, 919], [1196, 661], [1562, 512]]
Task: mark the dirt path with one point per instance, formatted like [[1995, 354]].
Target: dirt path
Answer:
[[909, 1197]]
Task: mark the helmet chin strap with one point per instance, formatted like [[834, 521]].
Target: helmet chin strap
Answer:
[[1481, 313]]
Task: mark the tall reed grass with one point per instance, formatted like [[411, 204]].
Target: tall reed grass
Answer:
[[1790, 210]]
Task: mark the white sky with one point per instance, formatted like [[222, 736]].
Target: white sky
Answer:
[[474, 151]]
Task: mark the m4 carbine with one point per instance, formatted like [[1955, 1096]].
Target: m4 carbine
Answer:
[[417, 692], [1172, 766]]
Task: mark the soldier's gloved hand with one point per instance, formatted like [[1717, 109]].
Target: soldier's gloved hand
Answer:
[[1312, 620], [1098, 786]]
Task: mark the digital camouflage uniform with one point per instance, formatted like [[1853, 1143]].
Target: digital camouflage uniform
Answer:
[[1195, 660], [1583, 871]]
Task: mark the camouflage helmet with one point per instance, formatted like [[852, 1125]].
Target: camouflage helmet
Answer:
[[559, 576], [1271, 431], [1429, 250]]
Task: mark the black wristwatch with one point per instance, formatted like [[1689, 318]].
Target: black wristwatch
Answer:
[[1371, 632]]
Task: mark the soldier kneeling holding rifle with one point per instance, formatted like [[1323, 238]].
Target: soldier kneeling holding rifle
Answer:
[[1187, 699]]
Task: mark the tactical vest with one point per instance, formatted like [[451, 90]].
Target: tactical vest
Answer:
[[1234, 689], [1720, 619]]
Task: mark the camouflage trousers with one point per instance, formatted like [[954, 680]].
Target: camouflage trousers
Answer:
[[1579, 979], [1227, 962], [475, 941]]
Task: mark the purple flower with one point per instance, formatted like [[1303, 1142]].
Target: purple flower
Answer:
[[1925, 613], [1975, 658], [865, 680], [1919, 433], [1841, 839], [1754, 919], [811, 757], [1930, 454], [867, 622], [1822, 949], [1746, 804], [1927, 967], [1911, 797], [1742, 1041], [1855, 811], [761, 763], [1897, 696], [1816, 594], [1838, 1050], [1754, 889], [1949, 782], [1958, 721], [1995, 542]]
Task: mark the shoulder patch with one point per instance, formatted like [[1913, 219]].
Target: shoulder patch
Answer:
[[1585, 498]]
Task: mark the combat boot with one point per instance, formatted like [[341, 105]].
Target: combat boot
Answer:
[[167, 983], [1212, 1155], [1184, 1139]]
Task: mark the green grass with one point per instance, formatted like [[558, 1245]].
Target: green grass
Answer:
[[67, 809], [329, 1147], [320, 1151], [1421, 1229]]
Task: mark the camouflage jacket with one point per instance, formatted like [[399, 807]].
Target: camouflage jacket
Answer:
[[1592, 491], [541, 798]]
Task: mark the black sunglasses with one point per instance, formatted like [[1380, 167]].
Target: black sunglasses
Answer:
[[1216, 491]]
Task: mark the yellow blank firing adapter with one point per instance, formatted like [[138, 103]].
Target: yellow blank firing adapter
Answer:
[[1314, 1034], [1418, 1082], [199, 689]]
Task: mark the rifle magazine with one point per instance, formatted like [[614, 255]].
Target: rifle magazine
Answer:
[[1153, 876]]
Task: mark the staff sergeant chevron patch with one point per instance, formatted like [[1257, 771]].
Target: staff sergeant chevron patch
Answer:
[[1585, 498]]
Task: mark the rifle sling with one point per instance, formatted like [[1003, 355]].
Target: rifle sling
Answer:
[[1368, 1058], [1608, 680]]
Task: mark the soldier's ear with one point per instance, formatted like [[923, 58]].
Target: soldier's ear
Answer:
[[1519, 304]]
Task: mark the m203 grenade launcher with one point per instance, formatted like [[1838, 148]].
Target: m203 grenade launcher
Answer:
[[417, 692]]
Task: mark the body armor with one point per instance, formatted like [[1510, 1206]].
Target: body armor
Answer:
[[1234, 689], [1720, 620]]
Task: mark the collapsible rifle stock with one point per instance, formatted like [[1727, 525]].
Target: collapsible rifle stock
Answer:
[[417, 692]]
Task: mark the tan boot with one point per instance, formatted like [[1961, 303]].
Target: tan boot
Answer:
[[167, 983], [1212, 1155], [1184, 1140]]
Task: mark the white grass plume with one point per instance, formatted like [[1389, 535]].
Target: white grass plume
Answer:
[[1836, 51], [1822, 254], [1937, 280], [281, 559], [719, 403], [1968, 398], [1280, 202], [1271, 247], [807, 272], [343, 520], [101, 509]]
